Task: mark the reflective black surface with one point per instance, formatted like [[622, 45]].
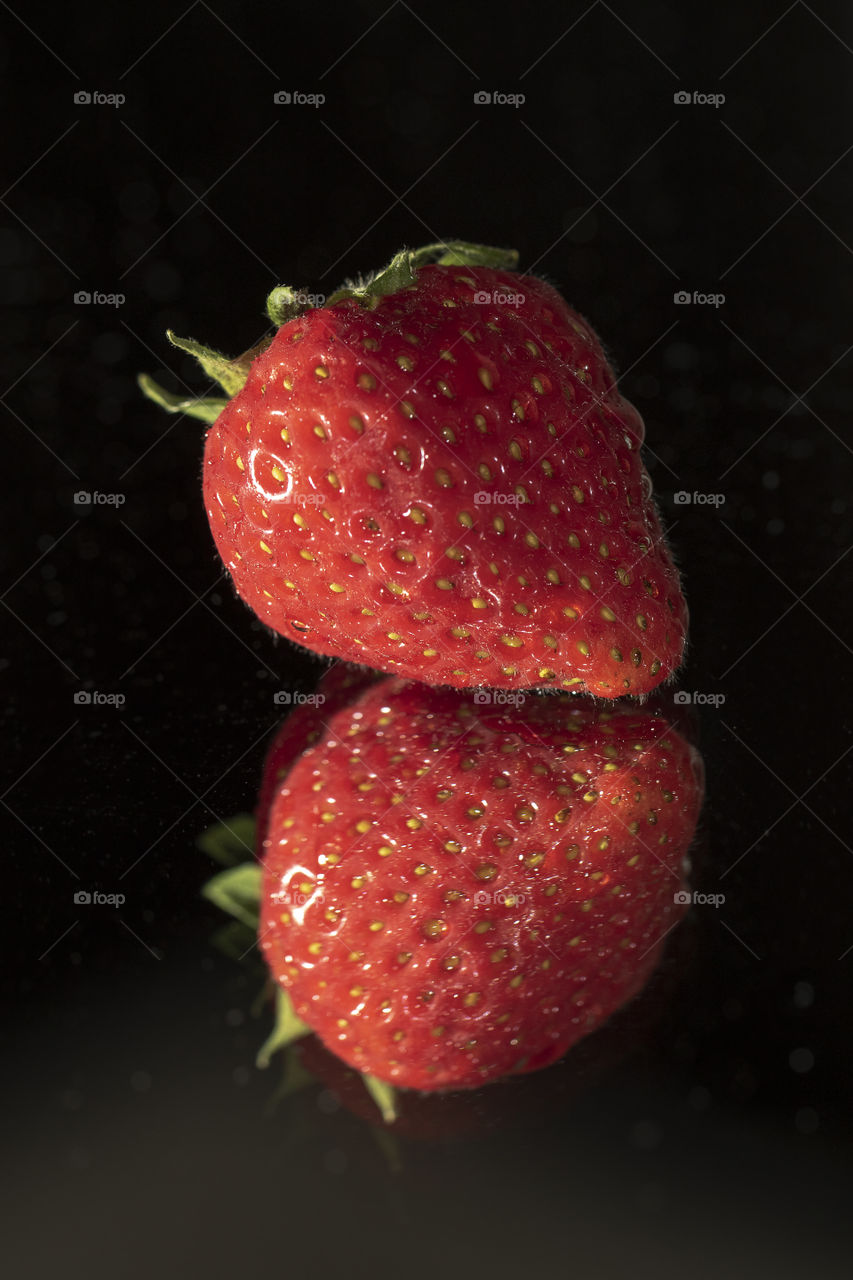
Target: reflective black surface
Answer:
[[143, 1141]]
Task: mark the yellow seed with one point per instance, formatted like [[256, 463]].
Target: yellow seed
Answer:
[[321, 371], [485, 377]]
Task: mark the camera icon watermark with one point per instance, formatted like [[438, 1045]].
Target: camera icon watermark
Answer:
[[499, 698], [499, 298], [295, 98], [94, 898], [683, 98], [86, 298], [684, 698], [92, 698], [483, 98], [94, 498], [500, 898], [293, 698], [682, 498], [684, 298], [83, 98], [686, 898], [485, 498]]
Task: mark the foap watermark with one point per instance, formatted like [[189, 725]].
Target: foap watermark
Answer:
[[483, 498], [293, 698], [296, 98], [299, 897], [499, 698], [94, 898], [94, 498], [86, 298], [309, 300], [500, 898], [93, 698], [494, 98], [94, 98], [682, 498], [684, 298], [695, 98], [499, 298], [686, 898], [686, 698]]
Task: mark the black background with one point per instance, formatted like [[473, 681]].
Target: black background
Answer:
[[142, 1140]]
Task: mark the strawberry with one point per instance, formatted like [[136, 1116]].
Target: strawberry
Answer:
[[338, 686], [458, 887], [434, 474]]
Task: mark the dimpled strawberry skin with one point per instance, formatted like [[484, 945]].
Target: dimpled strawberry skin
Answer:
[[448, 490], [453, 891]]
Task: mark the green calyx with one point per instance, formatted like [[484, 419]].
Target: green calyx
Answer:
[[401, 270], [285, 304], [230, 374]]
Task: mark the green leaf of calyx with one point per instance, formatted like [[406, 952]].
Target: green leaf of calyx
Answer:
[[287, 1029], [401, 270], [285, 304], [462, 253], [229, 842], [384, 1095], [205, 408], [238, 892], [230, 374]]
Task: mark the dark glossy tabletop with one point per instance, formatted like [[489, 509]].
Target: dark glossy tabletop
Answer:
[[710, 241]]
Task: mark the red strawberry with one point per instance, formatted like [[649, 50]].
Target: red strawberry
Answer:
[[436, 475], [338, 686], [456, 888]]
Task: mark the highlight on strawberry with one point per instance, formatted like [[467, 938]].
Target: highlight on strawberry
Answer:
[[432, 472]]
